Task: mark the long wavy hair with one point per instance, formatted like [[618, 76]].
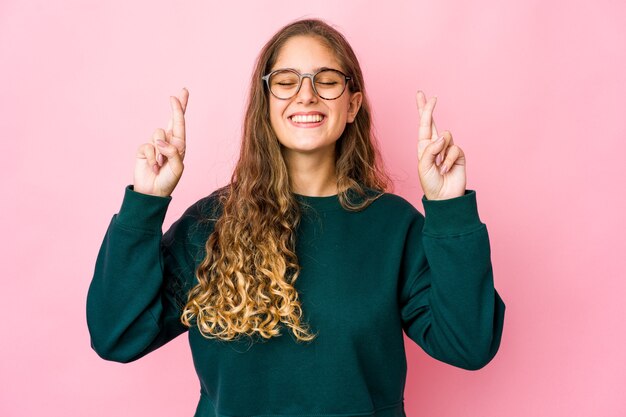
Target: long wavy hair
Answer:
[[246, 280]]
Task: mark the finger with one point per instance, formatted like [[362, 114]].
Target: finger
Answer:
[[431, 151], [454, 155], [159, 134], [423, 143], [183, 97], [174, 159], [448, 142], [421, 104], [421, 146], [178, 125], [420, 98], [425, 125], [147, 152]]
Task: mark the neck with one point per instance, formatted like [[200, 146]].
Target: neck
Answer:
[[312, 175]]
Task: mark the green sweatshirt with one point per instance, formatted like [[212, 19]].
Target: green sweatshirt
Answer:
[[365, 278]]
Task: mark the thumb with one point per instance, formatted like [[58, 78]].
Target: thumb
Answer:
[[430, 152], [173, 157]]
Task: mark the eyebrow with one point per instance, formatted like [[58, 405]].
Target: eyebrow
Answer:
[[314, 69]]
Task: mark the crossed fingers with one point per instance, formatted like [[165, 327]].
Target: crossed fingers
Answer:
[[428, 133], [175, 132]]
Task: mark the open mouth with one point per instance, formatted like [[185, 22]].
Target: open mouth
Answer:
[[306, 118]]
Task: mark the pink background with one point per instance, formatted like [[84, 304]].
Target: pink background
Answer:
[[532, 90]]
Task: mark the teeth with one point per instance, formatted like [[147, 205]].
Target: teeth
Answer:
[[310, 118]]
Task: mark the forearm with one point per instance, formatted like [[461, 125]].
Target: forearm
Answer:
[[126, 302], [454, 312], [466, 307]]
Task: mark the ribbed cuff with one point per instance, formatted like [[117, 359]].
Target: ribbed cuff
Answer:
[[453, 216], [142, 211]]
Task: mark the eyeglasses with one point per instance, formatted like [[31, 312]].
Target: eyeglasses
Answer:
[[327, 83]]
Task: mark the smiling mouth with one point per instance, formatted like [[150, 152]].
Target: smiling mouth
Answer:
[[308, 118]]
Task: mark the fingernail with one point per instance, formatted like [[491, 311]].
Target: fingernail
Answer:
[[161, 143], [443, 169], [438, 160], [439, 139]]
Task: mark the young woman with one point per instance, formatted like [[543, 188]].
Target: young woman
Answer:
[[297, 280]]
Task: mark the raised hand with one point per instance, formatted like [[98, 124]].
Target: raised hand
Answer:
[[441, 164], [159, 165]]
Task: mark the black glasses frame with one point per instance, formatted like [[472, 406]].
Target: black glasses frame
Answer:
[[310, 76]]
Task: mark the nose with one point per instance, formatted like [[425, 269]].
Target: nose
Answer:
[[306, 94]]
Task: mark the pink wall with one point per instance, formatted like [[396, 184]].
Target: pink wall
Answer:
[[532, 90]]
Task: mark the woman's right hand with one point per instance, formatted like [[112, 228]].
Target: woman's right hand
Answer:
[[159, 165]]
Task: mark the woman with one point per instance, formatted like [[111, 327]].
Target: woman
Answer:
[[297, 280]]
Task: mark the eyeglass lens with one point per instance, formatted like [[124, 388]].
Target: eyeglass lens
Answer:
[[329, 84]]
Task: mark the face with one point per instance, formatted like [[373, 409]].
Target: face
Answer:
[[310, 135]]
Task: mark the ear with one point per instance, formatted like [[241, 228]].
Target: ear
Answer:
[[354, 105]]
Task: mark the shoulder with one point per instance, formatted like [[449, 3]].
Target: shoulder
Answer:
[[395, 205], [396, 201], [197, 222], [390, 212], [208, 207]]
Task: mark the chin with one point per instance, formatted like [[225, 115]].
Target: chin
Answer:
[[308, 148]]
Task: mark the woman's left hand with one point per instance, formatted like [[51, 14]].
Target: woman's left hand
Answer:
[[441, 164]]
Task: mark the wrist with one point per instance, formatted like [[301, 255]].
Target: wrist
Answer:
[[150, 192], [452, 216], [142, 211], [435, 197]]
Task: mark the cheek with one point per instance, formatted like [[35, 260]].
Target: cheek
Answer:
[[277, 109], [341, 112]]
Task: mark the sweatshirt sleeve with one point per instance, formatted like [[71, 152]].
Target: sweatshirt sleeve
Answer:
[[449, 305], [137, 292]]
